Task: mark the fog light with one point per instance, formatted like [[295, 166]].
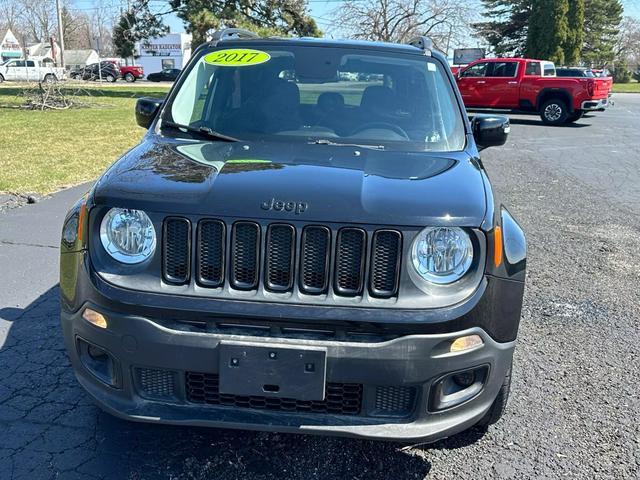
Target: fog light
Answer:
[[466, 343], [465, 379], [94, 318], [99, 362], [96, 353]]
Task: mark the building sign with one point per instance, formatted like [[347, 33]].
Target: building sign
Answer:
[[464, 56], [160, 49], [9, 47]]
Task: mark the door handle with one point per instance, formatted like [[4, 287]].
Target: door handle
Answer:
[[481, 82], [513, 83]]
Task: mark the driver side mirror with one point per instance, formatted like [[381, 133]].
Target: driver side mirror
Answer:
[[490, 130], [146, 111]]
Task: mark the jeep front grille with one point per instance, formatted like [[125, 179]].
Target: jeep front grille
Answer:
[[283, 258]]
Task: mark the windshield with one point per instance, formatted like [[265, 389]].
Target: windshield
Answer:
[[326, 95]]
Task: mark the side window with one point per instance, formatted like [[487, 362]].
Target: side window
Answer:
[[533, 68], [504, 69], [549, 70], [11, 64], [478, 70], [31, 63]]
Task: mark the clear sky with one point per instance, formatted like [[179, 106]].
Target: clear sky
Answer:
[[320, 10]]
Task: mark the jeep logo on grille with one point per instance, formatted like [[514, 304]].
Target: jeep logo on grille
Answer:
[[287, 206]]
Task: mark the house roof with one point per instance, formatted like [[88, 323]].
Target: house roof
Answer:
[[77, 57]]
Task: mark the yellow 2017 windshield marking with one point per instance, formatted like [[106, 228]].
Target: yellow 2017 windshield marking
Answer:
[[236, 57]]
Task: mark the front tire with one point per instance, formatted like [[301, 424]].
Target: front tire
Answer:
[[554, 112], [110, 78], [130, 77], [499, 404]]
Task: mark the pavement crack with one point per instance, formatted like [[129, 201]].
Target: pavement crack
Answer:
[[24, 244]]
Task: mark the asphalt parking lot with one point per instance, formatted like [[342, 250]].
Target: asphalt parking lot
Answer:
[[575, 401]]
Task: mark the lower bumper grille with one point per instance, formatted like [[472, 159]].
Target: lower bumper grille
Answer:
[[155, 383], [340, 398], [395, 401]]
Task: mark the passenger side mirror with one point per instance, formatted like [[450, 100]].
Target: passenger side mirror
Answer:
[[146, 111], [490, 130]]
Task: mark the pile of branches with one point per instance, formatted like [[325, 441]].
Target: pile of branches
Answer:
[[51, 96]]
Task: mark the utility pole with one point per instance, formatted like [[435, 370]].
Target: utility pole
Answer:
[[60, 33]]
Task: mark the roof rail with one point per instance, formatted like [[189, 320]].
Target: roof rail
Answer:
[[228, 33], [423, 43]]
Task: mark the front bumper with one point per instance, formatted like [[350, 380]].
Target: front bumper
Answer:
[[144, 348], [595, 105]]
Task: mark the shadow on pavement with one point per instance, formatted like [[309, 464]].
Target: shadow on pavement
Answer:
[[50, 429], [539, 123]]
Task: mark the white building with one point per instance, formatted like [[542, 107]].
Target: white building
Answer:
[[74, 59], [9, 46], [42, 51], [156, 54]]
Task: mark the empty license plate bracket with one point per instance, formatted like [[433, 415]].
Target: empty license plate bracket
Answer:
[[248, 369]]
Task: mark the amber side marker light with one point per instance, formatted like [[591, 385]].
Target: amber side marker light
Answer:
[[95, 318], [466, 343], [497, 246]]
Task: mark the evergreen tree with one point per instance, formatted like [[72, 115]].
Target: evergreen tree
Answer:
[[506, 27], [136, 24], [548, 28], [601, 27], [575, 34]]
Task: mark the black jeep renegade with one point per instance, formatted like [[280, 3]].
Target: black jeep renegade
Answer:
[[305, 241]]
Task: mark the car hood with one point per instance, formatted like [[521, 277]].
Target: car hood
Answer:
[[296, 181]]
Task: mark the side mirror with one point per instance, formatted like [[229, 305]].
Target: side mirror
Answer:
[[490, 130], [146, 111]]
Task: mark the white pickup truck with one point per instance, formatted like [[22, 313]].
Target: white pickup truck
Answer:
[[29, 71]]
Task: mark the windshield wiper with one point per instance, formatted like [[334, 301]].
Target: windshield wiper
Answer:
[[205, 132], [324, 141]]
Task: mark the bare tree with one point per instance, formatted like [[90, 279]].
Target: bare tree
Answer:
[[9, 14], [628, 41], [38, 18], [445, 21]]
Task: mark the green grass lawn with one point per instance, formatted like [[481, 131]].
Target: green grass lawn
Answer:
[[633, 87], [43, 151]]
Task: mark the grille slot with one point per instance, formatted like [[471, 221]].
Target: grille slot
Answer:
[[314, 261], [176, 255], [394, 401], [280, 252], [385, 263], [350, 256], [156, 383], [245, 255], [210, 253], [340, 398]]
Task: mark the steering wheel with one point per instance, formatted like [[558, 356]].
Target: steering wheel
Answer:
[[383, 126]]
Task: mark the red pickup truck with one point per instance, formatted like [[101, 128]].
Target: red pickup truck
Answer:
[[129, 73], [527, 85]]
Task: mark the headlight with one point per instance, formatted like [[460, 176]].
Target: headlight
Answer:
[[442, 255], [128, 235]]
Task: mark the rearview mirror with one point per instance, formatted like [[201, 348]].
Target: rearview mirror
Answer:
[[146, 111], [490, 130]]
